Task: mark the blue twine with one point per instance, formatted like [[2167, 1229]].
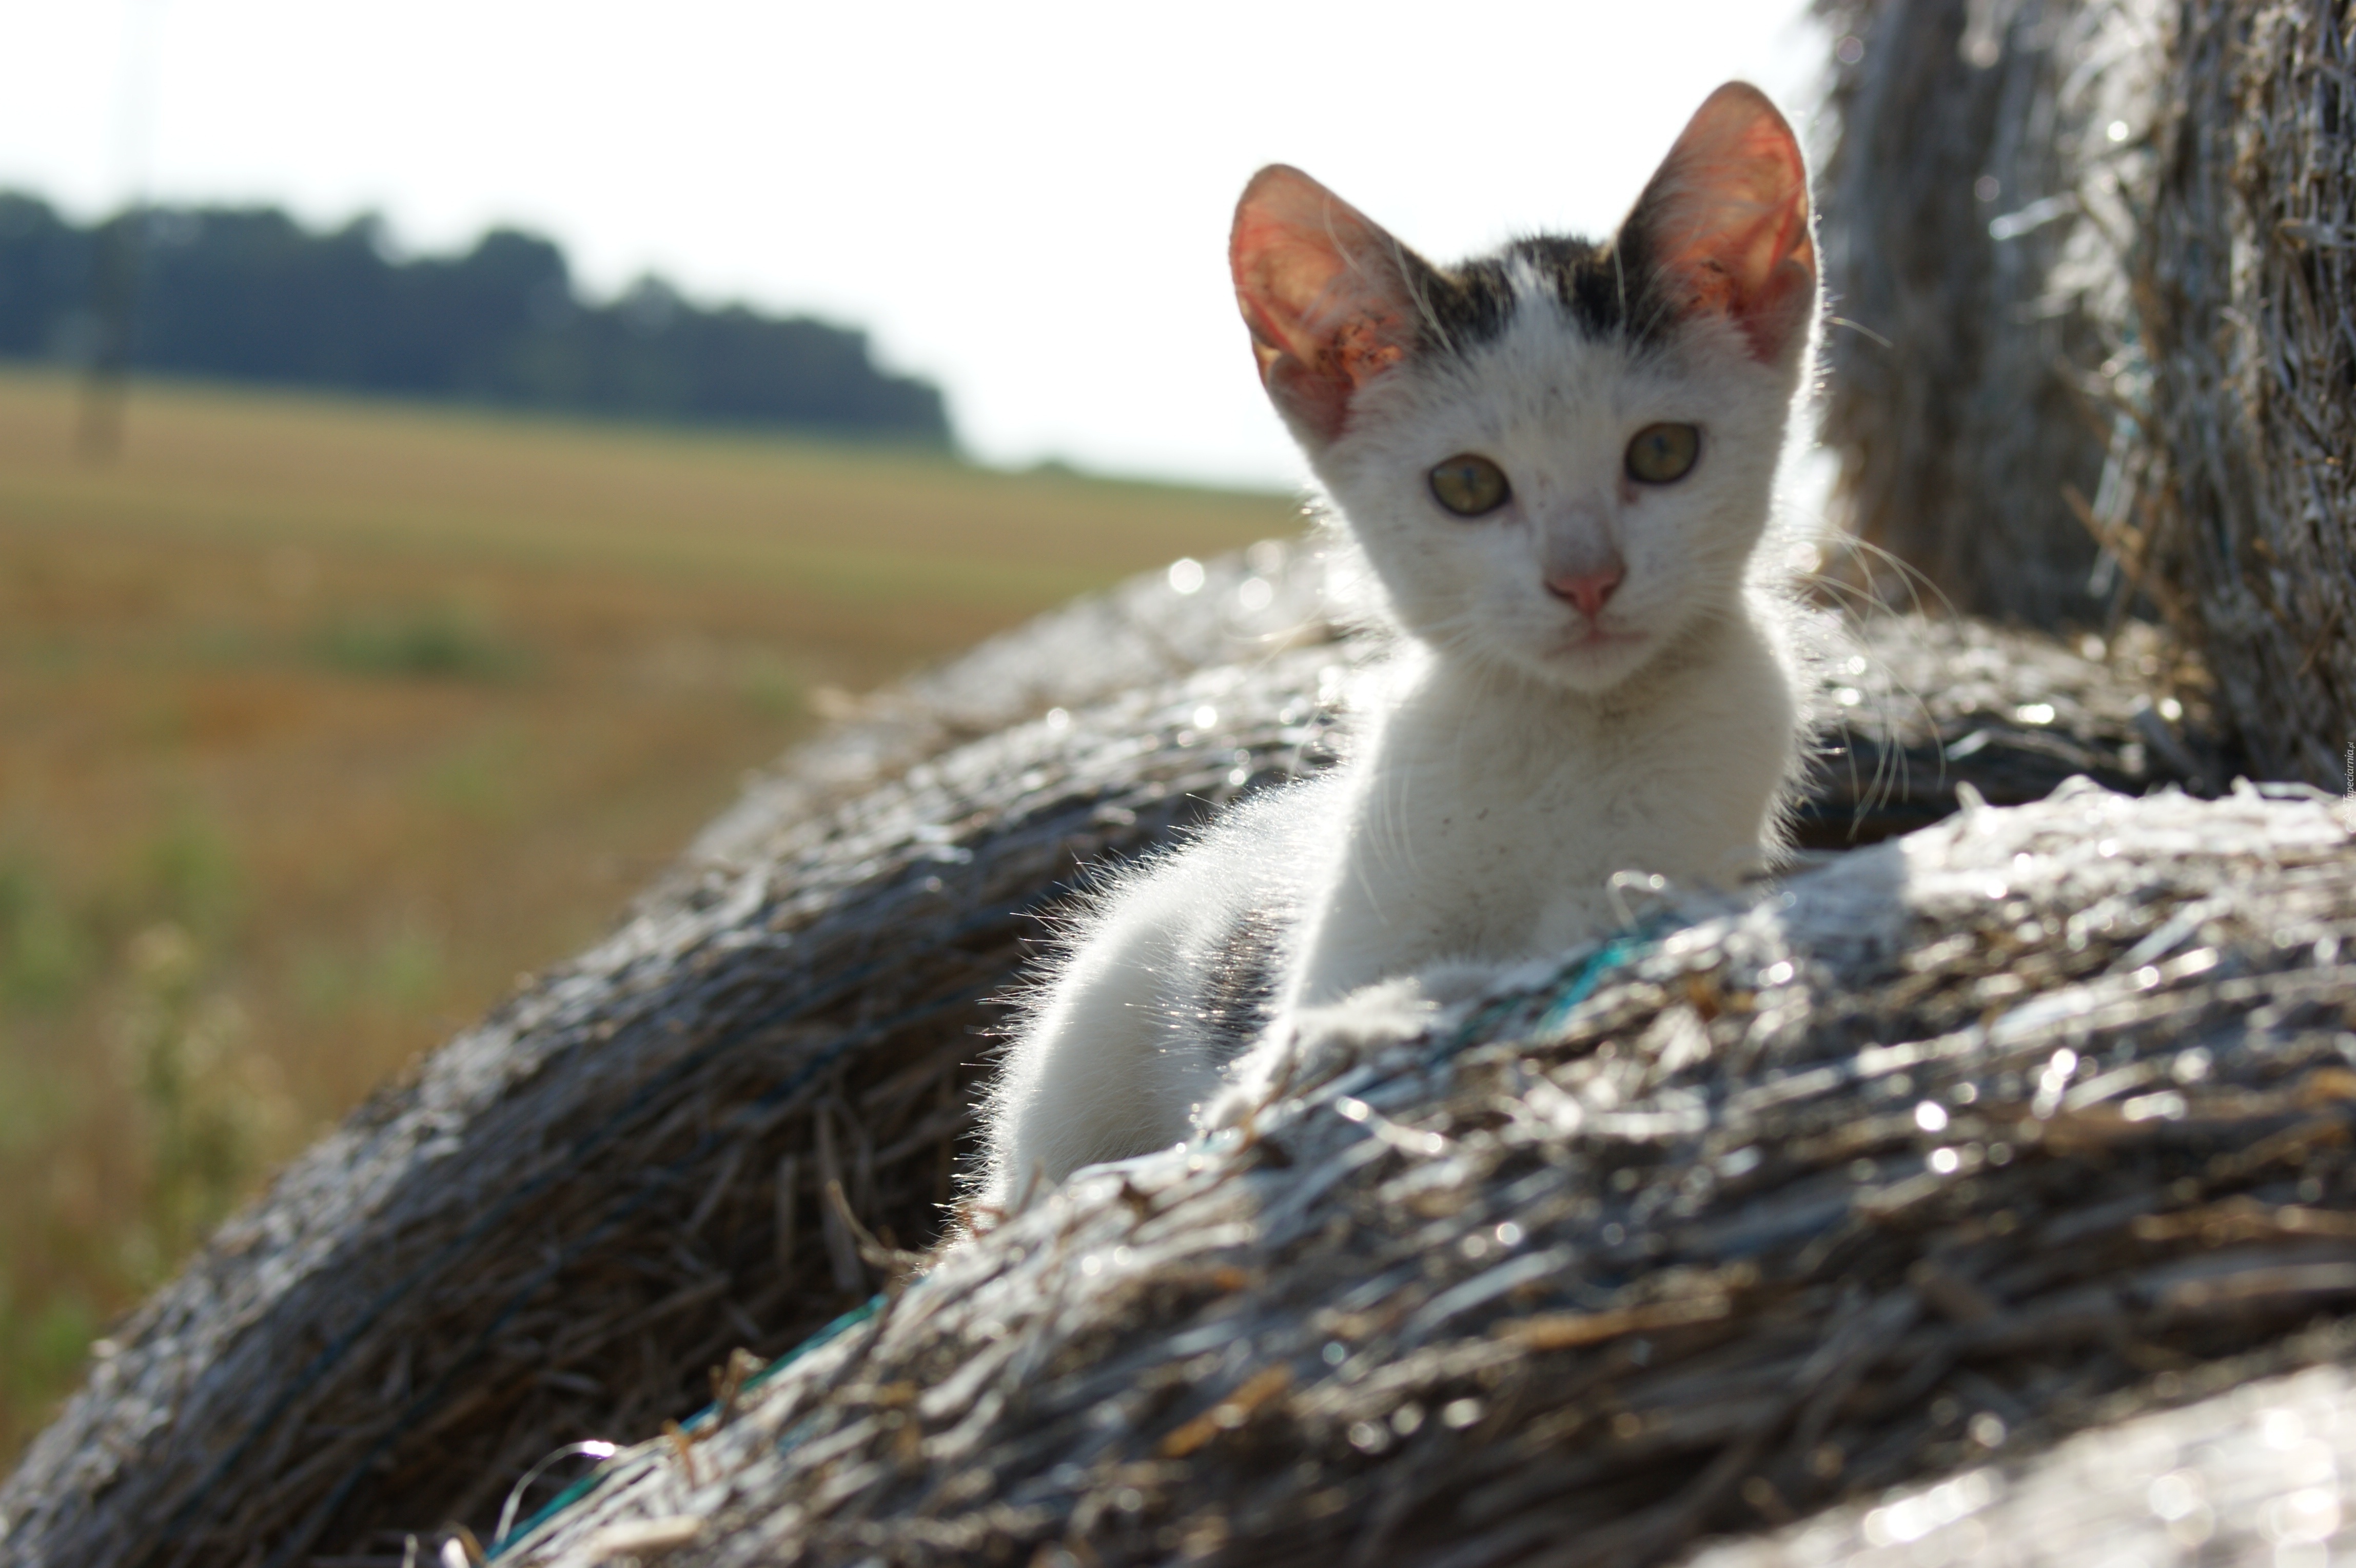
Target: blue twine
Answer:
[[1592, 972], [711, 1413]]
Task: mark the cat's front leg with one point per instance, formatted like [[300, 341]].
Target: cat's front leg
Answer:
[[1099, 1072]]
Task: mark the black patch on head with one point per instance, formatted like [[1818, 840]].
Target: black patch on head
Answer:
[[1608, 289]]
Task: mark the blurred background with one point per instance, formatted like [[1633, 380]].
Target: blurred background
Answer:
[[442, 448]]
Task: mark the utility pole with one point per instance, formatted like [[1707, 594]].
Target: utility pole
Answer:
[[114, 265], [115, 303]]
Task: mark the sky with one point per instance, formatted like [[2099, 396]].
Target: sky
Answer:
[[1026, 202]]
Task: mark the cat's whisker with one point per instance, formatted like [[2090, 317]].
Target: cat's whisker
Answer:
[[1914, 580]]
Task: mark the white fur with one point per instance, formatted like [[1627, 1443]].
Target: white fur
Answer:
[[1104, 1067], [1509, 764]]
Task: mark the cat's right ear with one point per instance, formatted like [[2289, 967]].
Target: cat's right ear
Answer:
[[1324, 292], [1724, 224]]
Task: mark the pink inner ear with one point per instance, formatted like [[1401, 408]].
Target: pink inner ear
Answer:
[[1728, 216], [1320, 286]]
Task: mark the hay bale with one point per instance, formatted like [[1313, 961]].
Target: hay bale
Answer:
[[578, 1209], [1975, 205], [1914, 706], [1154, 629], [575, 1210], [2247, 283], [2264, 1472], [2146, 338], [1952, 1144]]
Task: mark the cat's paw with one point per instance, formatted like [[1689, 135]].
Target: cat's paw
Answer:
[[1454, 982], [1310, 1044]]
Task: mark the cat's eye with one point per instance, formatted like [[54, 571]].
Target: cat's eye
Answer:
[[1663, 454], [1469, 485]]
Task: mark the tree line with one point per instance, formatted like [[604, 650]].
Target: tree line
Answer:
[[248, 294]]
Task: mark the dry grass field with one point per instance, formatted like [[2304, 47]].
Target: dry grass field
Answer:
[[321, 720]]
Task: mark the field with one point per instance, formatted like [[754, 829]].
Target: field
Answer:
[[321, 721]]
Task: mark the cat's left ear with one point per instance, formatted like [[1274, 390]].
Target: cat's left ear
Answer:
[[1324, 292], [1725, 222]]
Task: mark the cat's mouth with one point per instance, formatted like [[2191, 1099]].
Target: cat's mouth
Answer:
[[1593, 658], [1601, 639]]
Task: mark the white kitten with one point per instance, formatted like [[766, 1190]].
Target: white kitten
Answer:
[[1557, 462]]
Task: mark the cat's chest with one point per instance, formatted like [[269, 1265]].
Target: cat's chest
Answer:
[[1489, 831], [1473, 851], [1485, 837]]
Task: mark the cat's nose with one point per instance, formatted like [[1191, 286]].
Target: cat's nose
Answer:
[[1588, 592]]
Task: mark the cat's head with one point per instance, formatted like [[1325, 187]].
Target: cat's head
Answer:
[[1560, 458]]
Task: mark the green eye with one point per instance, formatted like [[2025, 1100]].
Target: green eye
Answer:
[[1469, 485], [1663, 454]]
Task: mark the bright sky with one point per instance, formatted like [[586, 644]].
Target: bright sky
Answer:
[[1026, 201]]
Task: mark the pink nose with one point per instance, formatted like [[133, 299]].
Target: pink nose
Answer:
[[1588, 591]]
